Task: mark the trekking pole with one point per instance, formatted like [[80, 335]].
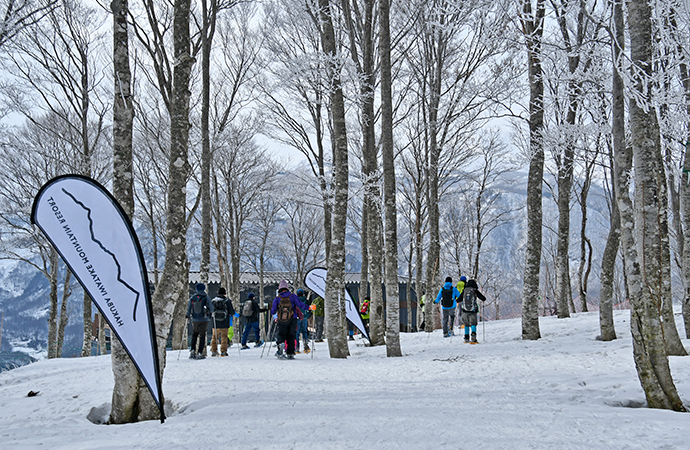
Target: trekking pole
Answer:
[[483, 324], [270, 327], [184, 335]]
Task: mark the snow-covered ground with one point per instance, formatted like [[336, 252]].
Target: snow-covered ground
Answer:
[[564, 391]]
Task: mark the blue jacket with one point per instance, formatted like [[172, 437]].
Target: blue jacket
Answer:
[[456, 294], [296, 303], [207, 309]]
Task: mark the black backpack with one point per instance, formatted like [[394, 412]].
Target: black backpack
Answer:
[[198, 305], [447, 297], [219, 310], [469, 302], [285, 312]]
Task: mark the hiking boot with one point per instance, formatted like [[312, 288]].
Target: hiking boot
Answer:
[[259, 344], [351, 338], [214, 354], [224, 354], [307, 350], [467, 338], [474, 338], [244, 347], [192, 354], [290, 357], [201, 356], [279, 353], [297, 352]]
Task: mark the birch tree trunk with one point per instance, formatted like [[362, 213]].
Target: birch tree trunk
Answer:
[[335, 281], [208, 27], [127, 381], [64, 314], [389, 188], [645, 274], [533, 28], [53, 296]]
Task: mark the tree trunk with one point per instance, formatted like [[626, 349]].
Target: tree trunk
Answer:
[[685, 204], [533, 26], [608, 260], [645, 271], [208, 28], [88, 332], [53, 296], [389, 188], [126, 398], [64, 314], [335, 282]]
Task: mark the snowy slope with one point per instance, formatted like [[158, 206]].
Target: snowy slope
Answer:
[[565, 391]]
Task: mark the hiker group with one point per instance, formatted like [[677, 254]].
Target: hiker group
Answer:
[[290, 315], [463, 296]]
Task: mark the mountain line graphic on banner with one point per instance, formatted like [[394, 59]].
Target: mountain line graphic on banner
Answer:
[[315, 280], [96, 240]]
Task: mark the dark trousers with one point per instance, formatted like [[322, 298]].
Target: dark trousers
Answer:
[[286, 333], [247, 329], [199, 330]]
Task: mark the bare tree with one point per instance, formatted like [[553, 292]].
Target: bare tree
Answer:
[[642, 245], [335, 282], [20, 14]]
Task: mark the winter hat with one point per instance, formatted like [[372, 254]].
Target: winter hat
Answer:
[[283, 286], [463, 278], [300, 291], [200, 287], [221, 291], [449, 280], [250, 295]]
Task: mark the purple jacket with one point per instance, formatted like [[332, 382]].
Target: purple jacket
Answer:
[[296, 303]]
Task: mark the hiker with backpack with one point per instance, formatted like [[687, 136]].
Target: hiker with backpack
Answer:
[[447, 296], [199, 310], [286, 311], [250, 312], [468, 304], [223, 313]]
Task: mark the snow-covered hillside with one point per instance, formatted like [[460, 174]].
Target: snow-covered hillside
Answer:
[[564, 391]]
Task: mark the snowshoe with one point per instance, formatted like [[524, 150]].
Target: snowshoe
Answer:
[[214, 354], [467, 339], [474, 339], [290, 357], [259, 344], [224, 354], [192, 354], [202, 356], [244, 347], [307, 350]]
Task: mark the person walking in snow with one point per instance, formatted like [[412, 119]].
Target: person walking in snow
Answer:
[[468, 304], [285, 310], [460, 287], [223, 313], [250, 311], [303, 324], [447, 296], [365, 313], [199, 310], [319, 317]]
